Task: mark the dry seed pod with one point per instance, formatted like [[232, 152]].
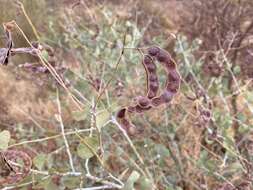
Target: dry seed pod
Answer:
[[142, 101], [173, 77], [151, 100], [124, 122], [165, 97], [17, 172], [152, 79]]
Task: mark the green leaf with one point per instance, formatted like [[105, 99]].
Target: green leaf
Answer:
[[80, 115], [102, 118], [84, 151], [46, 184], [237, 70], [39, 161], [132, 179], [145, 184], [5, 137], [162, 150], [44, 54], [71, 182]]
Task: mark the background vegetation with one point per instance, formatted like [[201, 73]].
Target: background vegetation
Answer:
[[177, 146]]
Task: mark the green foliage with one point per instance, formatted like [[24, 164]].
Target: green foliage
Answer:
[[39, 161], [86, 150], [132, 179], [4, 139]]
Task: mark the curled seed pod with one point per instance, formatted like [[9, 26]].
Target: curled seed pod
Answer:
[[151, 100], [173, 77], [16, 172]]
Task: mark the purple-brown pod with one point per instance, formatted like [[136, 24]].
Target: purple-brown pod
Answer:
[[138, 109], [169, 65], [121, 113], [163, 56], [152, 79], [125, 123], [151, 100], [153, 51], [165, 97], [143, 101]]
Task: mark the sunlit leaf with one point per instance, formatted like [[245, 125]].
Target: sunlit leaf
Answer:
[[132, 179], [101, 118], [4, 139], [71, 182], [39, 161], [84, 150], [80, 115]]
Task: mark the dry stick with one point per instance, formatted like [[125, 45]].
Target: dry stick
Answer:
[[52, 70], [23, 184], [76, 174], [104, 181], [28, 19], [97, 187], [51, 137], [63, 133]]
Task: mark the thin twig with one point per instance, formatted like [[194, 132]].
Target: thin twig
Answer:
[[63, 133], [97, 188], [29, 20], [51, 137]]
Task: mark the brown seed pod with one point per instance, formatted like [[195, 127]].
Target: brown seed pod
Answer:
[[152, 79], [14, 172], [173, 77], [144, 103], [124, 122]]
